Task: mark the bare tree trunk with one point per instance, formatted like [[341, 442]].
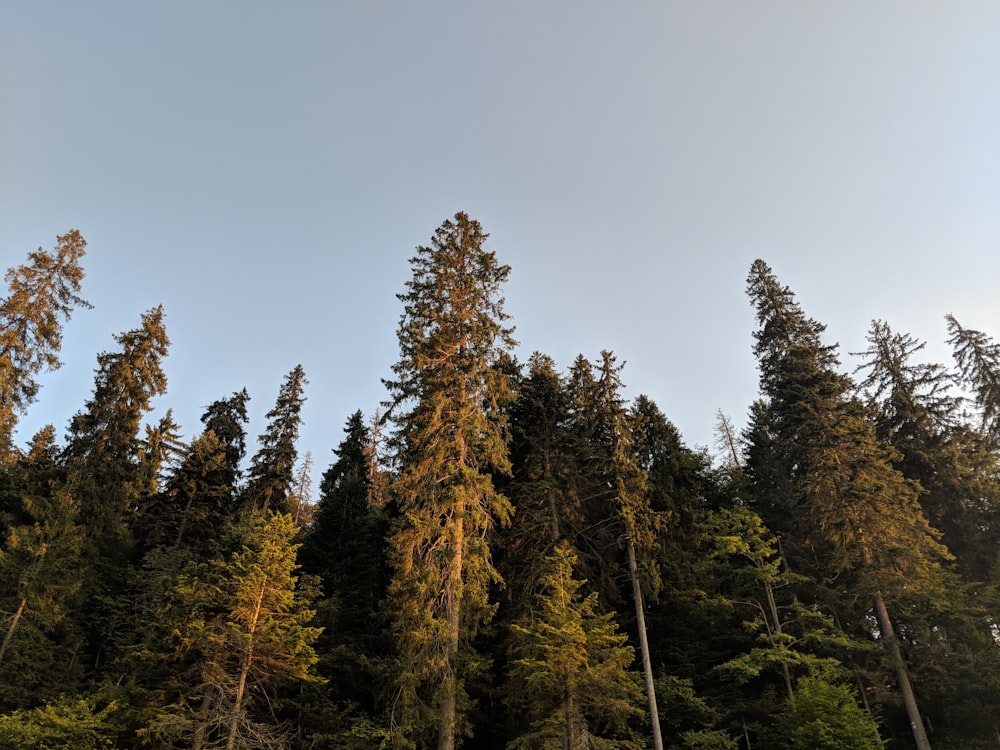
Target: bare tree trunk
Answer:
[[647, 666], [773, 606], [903, 677], [13, 626]]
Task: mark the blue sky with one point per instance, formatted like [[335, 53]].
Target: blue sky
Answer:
[[265, 171]]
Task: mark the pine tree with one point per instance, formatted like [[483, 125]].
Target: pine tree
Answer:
[[226, 418], [272, 467], [569, 676], [619, 500], [42, 295], [346, 549], [447, 393], [545, 487], [105, 480], [103, 448], [820, 473], [920, 418], [246, 623], [978, 360], [41, 575], [825, 716]]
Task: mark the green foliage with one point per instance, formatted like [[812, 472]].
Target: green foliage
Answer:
[[825, 716], [448, 391], [64, 725], [273, 466], [42, 294], [568, 677]]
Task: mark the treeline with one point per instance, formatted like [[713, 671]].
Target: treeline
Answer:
[[504, 554]]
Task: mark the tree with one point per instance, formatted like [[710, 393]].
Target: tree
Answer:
[[978, 359], [446, 396], [248, 629], [40, 579], [42, 295], [272, 467], [346, 549], [545, 484], [226, 417], [918, 416], [103, 448], [569, 678], [103, 458], [825, 716], [819, 472], [620, 486]]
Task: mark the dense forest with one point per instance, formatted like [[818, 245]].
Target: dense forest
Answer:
[[504, 554]]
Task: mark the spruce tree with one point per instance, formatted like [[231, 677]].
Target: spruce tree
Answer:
[[346, 549], [226, 418], [272, 467], [569, 680], [41, 296], [241, 630], [821, 475], [447, 393]]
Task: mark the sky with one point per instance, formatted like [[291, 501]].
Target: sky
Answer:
[[266, 170]]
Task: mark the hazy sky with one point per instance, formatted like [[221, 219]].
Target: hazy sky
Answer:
[[265, 170]]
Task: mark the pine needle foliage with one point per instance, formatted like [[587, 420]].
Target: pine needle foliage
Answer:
[[569, 675], [447, 396]]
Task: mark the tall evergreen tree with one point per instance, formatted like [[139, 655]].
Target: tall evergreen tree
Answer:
[[42, 295], [820, 473], [446, 395], [103, 460], [619, 500], [545, 487], [918, 415], [346, 549], [103, 448], [272, 467], [978, 358]]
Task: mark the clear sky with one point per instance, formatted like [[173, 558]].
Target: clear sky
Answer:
[[266, 169]]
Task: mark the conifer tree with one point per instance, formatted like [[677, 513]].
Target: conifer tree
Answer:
[[918, 416], [41, 296], [40, 581], [226, 417], [272, 467], [545, 487], [820, 473], [244, 632], [569, 675], [619, 499], [446, 395], [978, 359], [103, 449], [345, 548]]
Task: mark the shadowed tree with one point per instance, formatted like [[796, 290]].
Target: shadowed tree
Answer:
[[821, 477], [272, 469]]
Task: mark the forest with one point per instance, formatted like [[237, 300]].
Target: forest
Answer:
[[504, 554]]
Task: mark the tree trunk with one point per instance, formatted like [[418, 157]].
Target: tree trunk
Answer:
[[773, 606], [647, 666], [13, 626], [903, 677], [449, 698], [244, 671]]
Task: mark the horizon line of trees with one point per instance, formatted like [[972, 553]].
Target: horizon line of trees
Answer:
[[504, 554]]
